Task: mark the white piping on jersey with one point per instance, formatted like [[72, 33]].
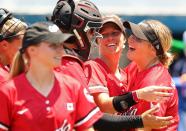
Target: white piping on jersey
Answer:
[[3, 127], [92, 113], [21, 112], [92, 88]]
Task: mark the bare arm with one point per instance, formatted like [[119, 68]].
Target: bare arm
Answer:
[[104, 102]]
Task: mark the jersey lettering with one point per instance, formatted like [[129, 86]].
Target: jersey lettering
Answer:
[[65, 126]]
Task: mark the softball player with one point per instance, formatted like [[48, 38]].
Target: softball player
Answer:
[[105, 77], [11, 32], [149, 43], [39, 99], [68, 15]]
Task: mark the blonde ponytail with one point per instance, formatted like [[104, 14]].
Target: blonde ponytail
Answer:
[[18, 65], [166, 59]]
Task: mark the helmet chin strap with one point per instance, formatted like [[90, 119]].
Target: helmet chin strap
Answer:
[[79, 38], [83, 45]]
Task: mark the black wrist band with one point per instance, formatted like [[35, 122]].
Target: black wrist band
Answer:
[[123, 102]]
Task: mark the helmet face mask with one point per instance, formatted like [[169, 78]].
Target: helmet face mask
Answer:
[[4, 16], [84, 17]]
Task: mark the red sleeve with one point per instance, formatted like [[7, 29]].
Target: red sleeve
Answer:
[[87, 113], [96, 77], [6, 109], [172, 110]]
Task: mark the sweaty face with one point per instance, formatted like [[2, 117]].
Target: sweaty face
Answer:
[[112, 40]]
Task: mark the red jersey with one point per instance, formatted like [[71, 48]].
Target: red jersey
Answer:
[[24, 109], [74, 67], [155, 75], [102, 80]]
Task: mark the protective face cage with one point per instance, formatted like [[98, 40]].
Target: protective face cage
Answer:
[[4, 16], [79, 17]]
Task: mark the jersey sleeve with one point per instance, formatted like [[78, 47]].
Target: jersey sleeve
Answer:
[[96, 77], [172, 110], [87, 113], [5, 110]]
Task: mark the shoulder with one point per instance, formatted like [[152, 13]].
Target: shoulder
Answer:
[[90, 62], [132, 67], [69, 60], [158, 75], [67, 81], [93, 67], [8, 88], [159, 70], [17, 84], [95, 64]]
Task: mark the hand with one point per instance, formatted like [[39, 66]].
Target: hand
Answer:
[[155, 122], [154, 93]]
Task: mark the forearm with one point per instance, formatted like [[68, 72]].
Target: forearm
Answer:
[[116, 123]]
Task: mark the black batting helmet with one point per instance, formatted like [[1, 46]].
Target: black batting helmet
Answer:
[[78, 17]]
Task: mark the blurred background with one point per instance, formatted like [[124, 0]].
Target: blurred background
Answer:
[[171, 12]]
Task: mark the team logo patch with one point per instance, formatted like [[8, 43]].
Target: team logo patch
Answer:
[[70, 106], [88, 96]]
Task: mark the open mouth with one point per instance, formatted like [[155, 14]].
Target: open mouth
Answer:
[[57, 58], [111, 45], [131, 48]]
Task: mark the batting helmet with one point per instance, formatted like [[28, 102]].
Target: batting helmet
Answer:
[[78, 17], [4, 16]]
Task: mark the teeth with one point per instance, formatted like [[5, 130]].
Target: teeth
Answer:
[[58, 58], [111, 44]]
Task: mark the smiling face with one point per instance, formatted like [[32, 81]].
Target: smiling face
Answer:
[[46, 54], [139, 50], [112, 41]]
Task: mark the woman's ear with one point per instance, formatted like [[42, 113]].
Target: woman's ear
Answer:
[[32, 50]]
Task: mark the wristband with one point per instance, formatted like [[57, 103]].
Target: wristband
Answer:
[[123, 102]]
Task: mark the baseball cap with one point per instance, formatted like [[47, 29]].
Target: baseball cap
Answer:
[[43, 32], [144, 31], [113, 19]]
